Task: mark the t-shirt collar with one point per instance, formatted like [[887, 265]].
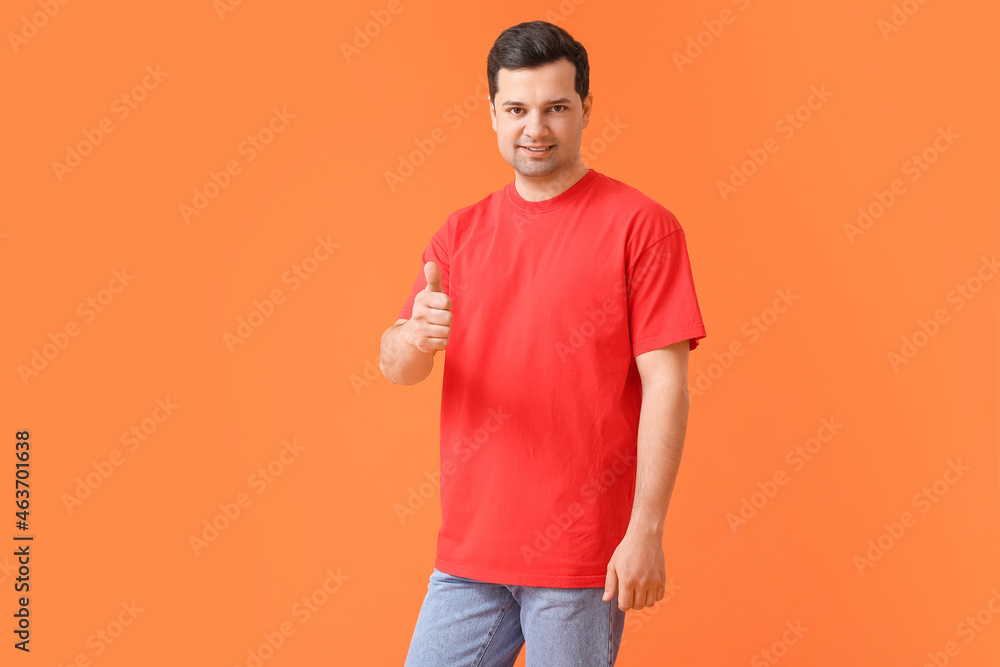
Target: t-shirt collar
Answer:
[[560, 199]]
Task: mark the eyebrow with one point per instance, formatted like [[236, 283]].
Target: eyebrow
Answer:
[[561, 100]]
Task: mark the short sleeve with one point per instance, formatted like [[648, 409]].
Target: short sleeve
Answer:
[[437, 251], [662, 304]]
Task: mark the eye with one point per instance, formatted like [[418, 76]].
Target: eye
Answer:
[[513, 109], [558, 106]]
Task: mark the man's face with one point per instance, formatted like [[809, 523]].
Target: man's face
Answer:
[[539, 107]]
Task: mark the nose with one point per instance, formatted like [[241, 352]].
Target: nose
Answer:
[[535, 125]]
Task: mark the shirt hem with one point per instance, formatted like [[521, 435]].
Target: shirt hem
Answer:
[[694, 332], [521, 578]]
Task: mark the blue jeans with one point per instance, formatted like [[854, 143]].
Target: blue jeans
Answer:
[[469, 623]]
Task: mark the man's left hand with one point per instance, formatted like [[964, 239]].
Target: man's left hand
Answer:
[[636, 571]]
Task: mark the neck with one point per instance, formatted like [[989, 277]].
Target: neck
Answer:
[[540, 188]]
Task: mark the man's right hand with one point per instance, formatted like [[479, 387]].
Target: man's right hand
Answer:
[[429, 326]]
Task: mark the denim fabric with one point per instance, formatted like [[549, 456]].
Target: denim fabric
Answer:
[[468, 623]]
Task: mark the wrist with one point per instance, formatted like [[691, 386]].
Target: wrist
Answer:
[[644, 522], [409, 342], [405, 337]]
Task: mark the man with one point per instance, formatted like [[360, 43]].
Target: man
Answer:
[[567, 306]]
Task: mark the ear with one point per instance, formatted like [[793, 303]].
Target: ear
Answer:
[[493, 113], [588, 105]]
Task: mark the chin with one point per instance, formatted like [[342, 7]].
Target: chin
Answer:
[[535, 169]]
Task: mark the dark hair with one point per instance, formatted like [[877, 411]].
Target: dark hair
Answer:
[[533, 44]]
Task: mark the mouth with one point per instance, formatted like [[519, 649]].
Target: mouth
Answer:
[[537, 151]]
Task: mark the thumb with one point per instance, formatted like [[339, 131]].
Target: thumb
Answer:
[[610, 584], [433, 276]]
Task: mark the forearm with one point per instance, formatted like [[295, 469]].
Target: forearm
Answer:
[[401, 362], [662, 426]]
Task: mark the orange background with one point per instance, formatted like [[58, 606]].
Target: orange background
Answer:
[[309, 371]]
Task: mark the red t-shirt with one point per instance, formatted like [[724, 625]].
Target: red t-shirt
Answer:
[[552, 300]]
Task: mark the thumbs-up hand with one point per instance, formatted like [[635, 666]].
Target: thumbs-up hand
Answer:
[[429, 326], [433, 275]]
